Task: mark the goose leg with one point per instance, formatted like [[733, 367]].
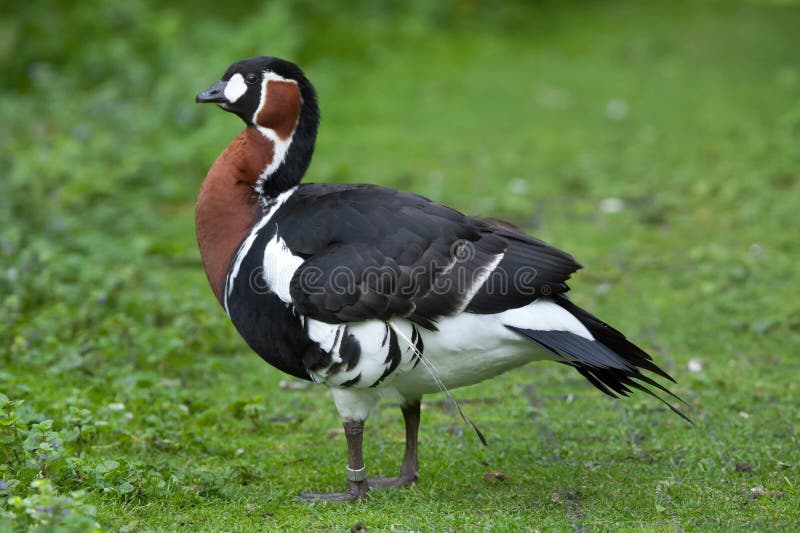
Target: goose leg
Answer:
[[356, 472], [409, 469], [354, 406]]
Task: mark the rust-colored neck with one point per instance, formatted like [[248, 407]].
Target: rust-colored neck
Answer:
[[226, 206]]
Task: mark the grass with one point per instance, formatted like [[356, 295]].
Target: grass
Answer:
[[162, 420]]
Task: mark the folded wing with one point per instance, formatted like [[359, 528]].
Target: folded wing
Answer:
[[376, 253]]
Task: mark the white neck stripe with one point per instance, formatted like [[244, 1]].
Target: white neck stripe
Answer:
[[280, 147]]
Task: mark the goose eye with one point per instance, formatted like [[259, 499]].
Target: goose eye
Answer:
[[251, 78]]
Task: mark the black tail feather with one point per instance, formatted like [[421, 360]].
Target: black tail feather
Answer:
[[611, 362], [612, 338], [662, 400], [596, 382]]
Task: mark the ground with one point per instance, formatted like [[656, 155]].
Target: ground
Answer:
[[658, 143]]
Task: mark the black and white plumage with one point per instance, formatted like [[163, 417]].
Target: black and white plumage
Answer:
[[370, 290]]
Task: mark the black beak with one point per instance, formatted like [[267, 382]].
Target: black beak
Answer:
[[214, 94]]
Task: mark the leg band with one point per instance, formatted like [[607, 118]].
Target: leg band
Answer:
[[357, 475]]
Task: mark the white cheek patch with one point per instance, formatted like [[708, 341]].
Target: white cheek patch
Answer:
[[235, 88]]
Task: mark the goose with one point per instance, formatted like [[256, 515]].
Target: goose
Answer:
[[372, 291]]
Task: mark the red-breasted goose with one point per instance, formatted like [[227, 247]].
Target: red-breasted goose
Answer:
[[369, 290]]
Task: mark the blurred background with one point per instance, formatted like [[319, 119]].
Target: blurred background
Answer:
[[659, 142]]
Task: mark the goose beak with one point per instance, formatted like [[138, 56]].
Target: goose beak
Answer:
[[213, 95]]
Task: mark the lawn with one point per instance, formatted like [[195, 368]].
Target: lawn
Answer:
[[658, 142]]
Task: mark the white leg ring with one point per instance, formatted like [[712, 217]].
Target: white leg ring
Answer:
[[357, 475]]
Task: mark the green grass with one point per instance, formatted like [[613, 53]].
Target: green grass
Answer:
[[687, 112]]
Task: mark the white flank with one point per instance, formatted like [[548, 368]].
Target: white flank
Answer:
[[372, 361], [280, 146], [469, 348], [244, 248], [235, 88]]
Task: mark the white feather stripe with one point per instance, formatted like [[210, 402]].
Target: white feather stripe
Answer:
[[325, 334], [244, 248], [280, 149], [280, 265], [375, 360], [481, 275]]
